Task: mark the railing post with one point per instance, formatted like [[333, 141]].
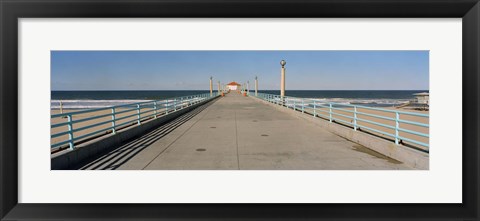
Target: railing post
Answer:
[[166, 106], [314, 108], [114, 131], [303, 107], [355, 118], [397, 117], [155, 109], [70, 132], [175, 104], [138, 114], [330, 112]]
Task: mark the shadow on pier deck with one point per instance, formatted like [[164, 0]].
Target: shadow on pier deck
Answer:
[[236, 132]]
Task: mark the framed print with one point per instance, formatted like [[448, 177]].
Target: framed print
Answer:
[[239, 110]]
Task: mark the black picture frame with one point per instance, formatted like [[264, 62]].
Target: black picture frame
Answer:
[[11, 11]]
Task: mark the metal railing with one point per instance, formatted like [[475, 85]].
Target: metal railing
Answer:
[[401, 127], [82, 125]]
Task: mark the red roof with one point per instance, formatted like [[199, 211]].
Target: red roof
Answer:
[[234, 83]]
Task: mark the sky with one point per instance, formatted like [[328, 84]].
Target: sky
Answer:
[[191, 70]]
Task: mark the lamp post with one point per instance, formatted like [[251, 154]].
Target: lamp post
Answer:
[[248, 88], [256, 86], [211, 86], [282, 81]]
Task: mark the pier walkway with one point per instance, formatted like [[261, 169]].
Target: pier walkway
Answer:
[[237, 132]]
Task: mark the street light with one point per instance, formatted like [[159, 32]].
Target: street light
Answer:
[[211, 86], [256, 86], [282, 81]]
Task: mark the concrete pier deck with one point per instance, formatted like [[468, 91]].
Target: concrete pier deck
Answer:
[[236, 132]]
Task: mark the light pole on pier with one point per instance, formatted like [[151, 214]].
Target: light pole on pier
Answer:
[[282, 81], [256, 86], [211, 86], [248, 88]]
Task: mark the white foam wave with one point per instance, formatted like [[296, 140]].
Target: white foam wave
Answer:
[[89, 104], [356, 101], [99, 101]]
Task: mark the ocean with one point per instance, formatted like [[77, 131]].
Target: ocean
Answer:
[[98, 99]]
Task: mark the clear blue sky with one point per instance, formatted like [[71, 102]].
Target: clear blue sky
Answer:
[[190, 70]]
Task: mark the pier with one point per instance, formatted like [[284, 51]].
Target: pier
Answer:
[[235, 132]]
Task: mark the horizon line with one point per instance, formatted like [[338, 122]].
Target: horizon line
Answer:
[[260, 90]]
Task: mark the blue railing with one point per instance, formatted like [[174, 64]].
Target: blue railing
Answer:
[[402, 127], [75, 126]]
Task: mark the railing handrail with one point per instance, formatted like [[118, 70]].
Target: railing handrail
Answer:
[[304, 103], [158, 107]]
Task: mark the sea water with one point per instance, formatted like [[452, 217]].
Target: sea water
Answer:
[[98, 99]]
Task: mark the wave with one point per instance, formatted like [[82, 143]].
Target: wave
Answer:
[[90, 104], [362, 102]]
